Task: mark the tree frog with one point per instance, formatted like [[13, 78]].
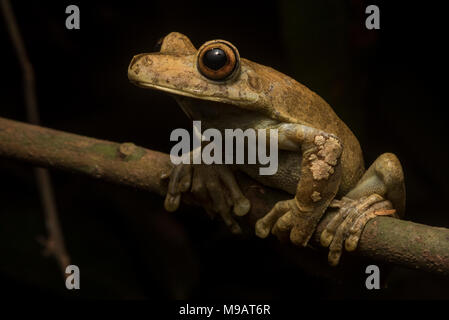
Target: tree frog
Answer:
[[320, 160]]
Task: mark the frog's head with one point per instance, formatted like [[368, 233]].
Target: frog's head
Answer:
[[214, 73]]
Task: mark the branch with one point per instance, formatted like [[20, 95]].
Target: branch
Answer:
[[384, 239], [55, 243]]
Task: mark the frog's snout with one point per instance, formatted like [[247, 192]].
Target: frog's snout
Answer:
[[134, 60], [136, 66]]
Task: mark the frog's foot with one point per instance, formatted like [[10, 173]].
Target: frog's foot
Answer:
[[287, 221], [347, 225], [213, 186]]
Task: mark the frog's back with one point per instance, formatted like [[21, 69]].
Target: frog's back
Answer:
[[299, 104]]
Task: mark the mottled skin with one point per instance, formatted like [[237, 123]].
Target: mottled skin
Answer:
[[319, 156]]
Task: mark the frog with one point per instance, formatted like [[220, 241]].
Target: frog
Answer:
[[321, 163]]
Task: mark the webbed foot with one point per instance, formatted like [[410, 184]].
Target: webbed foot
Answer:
[[213, 186], [347, 225], [287, 221]]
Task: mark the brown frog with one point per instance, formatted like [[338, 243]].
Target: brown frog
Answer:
[[320, 159]]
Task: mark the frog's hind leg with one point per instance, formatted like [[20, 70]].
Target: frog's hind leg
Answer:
[[379, 191], [386, 178]]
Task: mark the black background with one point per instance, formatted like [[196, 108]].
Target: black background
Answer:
[[388, 85]]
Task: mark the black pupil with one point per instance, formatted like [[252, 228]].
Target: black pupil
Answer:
[[215, 58]]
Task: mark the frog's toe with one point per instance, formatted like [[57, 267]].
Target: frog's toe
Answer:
[[172, 202], [381, 208], [241, 205], [345, 205], [216, 190], [347, 225], [266, 224], [212, 187], [198, 189], [180, 181], [219, 202]]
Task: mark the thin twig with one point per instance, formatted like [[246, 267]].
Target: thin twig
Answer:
[[55, 243], [385, 239]]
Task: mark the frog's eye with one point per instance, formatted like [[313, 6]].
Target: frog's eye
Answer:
[[217, 60]]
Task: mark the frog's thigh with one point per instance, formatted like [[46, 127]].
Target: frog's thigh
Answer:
[[383, 180], [386, 178], [319, 181]]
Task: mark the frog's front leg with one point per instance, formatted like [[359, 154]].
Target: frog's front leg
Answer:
[[212, 186], [318, 184], [379, 191]]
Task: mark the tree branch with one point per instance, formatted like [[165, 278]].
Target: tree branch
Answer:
[[385, 239], [54, 244]]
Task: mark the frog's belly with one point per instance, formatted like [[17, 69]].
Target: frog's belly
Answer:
[[287, 176]]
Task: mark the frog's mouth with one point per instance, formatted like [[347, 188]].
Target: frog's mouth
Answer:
[[183, 93], [198, 96]]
